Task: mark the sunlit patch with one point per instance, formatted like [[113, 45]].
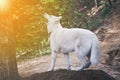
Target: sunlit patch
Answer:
[[4, 5]]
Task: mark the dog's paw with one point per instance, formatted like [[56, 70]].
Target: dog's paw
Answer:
[[80, 68], [68, 68], [87, 65], [50, 69]]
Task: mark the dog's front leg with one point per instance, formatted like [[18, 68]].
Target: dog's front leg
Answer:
[[53, 60]]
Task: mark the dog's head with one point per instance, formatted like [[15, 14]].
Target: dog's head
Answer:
[[52, 19]]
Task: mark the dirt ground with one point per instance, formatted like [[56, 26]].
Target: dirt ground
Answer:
[[108, 67]]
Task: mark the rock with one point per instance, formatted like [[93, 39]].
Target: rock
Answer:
[[71, 75]]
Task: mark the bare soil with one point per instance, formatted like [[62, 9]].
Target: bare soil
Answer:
[[108, 67]]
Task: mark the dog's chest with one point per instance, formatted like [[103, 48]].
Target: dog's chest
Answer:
[[62, 47]]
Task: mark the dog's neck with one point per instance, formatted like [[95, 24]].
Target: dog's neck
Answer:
[[53, 27]]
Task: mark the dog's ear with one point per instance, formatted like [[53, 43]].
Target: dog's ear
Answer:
[[47, 16]]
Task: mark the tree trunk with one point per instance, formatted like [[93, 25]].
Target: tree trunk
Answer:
[[8, 64]]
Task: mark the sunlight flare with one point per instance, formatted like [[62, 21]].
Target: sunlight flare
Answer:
[[4, 5]]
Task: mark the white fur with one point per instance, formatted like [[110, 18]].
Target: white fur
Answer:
[[81, 41]]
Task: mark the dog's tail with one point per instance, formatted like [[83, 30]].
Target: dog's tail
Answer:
[[95, 51]]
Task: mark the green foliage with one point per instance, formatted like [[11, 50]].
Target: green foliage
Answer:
[[95, 23], [105, 11], [45, 48]]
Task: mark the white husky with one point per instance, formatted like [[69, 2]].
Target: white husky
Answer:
[[83, 42]]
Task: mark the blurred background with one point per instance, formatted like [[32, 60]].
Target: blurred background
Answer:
[[30, 31]]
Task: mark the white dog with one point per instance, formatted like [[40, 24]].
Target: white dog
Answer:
[[83, 42]]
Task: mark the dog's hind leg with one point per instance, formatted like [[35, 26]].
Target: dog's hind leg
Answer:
[[67, 60], [88, 60], [81, 58]]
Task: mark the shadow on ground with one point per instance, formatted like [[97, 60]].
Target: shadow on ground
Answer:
[[71, 75]]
